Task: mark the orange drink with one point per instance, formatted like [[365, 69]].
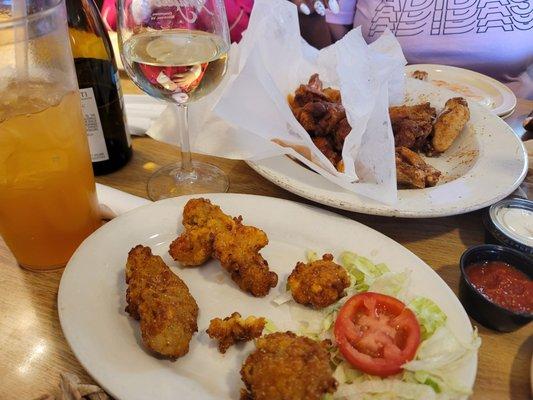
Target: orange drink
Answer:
[[48, 202]]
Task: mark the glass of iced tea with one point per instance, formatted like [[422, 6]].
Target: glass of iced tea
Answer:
[[48, 202]]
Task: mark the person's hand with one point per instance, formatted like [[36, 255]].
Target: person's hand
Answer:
[[307, 7]]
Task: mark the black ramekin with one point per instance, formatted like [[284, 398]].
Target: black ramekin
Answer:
[[478, 306]]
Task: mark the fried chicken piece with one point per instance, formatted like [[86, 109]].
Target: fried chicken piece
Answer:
[[202, 221], [233, 329], [287, 367], [343, 130], [412, 171], [319, 283], [162, 302], [449, 124], [322, 115], [324, 145], [333, 95], [420, 75], [238, 252], [309, 93], [411, 125]]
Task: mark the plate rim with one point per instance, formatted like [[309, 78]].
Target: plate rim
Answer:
[[509, 98], [69, 332], [386, 210]]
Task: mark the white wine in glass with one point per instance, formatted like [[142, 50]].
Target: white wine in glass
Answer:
[[177, 51]]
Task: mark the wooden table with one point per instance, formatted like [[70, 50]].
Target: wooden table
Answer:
[[33, 350]]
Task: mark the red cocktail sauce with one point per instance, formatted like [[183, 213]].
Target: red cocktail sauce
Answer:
[[502, 284]]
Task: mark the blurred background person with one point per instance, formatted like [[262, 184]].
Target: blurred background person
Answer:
[[493, 37], [238, 12]]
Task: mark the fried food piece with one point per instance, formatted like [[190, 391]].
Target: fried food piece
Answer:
[[238, 252], [449, 124], [309, 93], [411, 125], [162, 303], [324, 145], [234, 328], [286, 366], [202, 221], [237, 249], [322, 115], [412, 171], [319, 283], [420, 75]]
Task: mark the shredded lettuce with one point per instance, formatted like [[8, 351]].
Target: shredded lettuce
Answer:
[[270, 327], [352, 261], [439, 361], [429, 315], [393, 284], [283, 298]]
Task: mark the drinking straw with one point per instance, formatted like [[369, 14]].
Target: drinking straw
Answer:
[[19, 10]]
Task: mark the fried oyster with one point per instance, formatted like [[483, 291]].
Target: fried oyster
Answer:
[[162, 303], [319, 283], [234, 328], [286, 366]]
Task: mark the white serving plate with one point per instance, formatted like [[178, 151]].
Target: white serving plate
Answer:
[[475, 86], [106, 340]]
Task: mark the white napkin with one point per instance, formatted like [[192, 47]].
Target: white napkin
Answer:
[[249, 109], [141, 111], [114, 202]]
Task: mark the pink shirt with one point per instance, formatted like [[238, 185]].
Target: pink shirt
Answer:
[[494, 37], [238, 12]]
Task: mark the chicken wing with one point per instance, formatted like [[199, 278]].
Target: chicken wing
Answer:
[[234, 328], [411, 125], [286, 366], [202, 221], [449, 124], [162, 303], [412, 171], [319, 283], [238, 252]]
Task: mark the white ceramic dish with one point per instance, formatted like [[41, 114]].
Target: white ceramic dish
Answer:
[[475, 86], [106, 340], [486, 163]]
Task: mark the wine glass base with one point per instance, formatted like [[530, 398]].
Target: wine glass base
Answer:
[[170, 181]]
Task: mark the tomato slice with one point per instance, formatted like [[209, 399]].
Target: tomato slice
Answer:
[[377, 333]]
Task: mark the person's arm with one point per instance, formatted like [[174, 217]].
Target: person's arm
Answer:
[[341, 23]]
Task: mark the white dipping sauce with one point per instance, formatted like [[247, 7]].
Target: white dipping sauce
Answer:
[[517, 222]]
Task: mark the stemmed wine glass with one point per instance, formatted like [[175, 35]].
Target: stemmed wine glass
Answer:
[[177, 51]]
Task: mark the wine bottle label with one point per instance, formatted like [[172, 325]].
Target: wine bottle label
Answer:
[[95, 133]]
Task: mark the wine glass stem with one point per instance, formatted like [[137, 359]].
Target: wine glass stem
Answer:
[[183, 127]]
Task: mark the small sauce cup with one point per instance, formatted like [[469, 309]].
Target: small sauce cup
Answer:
[[509, 222], [480, 307]]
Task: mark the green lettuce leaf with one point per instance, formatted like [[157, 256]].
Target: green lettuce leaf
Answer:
[[429, 315]]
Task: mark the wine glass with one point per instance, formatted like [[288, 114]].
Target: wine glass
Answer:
[[177, 51]]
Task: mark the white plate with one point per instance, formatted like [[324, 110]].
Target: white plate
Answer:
[[473, 85], [105, 339], [486, 163]]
